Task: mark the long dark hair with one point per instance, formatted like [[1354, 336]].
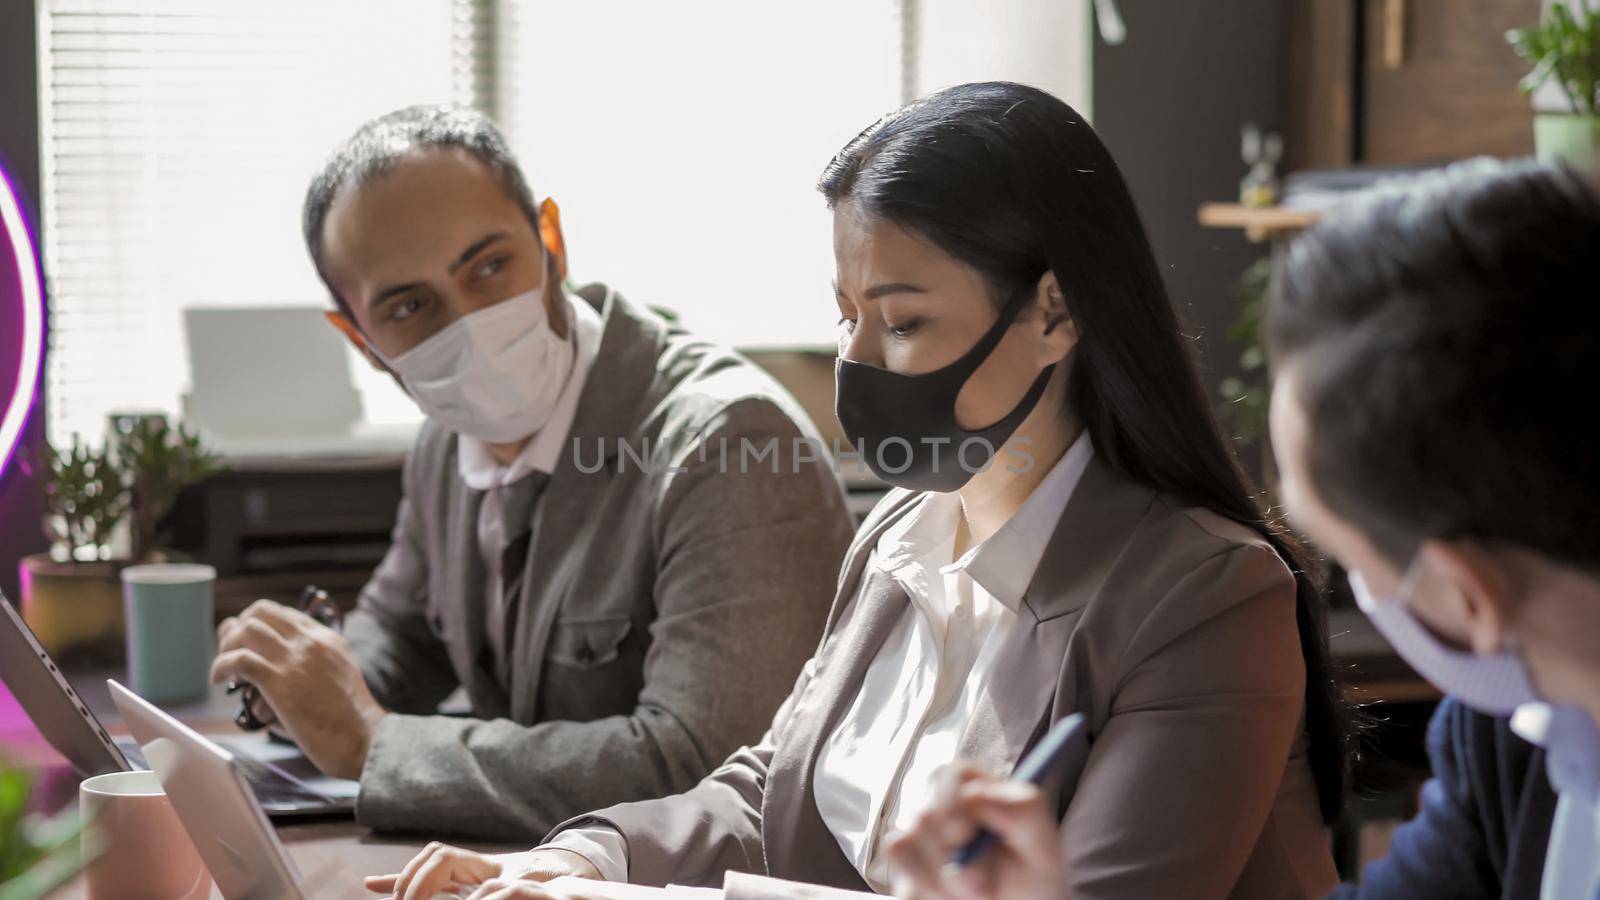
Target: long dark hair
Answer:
[[1013, 182]]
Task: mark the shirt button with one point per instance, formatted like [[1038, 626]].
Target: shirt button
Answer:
[[961, 612]]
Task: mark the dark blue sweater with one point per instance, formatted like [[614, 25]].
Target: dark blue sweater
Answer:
[[1484, 823]]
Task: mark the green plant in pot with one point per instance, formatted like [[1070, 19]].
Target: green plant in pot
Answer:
[[159, 461], [37, 853], [71, 596], [1565, 47]]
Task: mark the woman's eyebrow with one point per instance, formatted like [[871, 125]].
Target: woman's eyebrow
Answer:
[[896, 287], [884, 290]]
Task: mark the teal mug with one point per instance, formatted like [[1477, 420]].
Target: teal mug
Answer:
[[168, 608]]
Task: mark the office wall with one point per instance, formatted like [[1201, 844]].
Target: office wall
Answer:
[[1169, 102], [19, 150]]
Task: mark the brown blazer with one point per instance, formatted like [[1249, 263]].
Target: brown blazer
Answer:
[[1172, 629]]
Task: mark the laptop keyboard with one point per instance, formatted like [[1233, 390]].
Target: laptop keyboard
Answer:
[[272, 789]]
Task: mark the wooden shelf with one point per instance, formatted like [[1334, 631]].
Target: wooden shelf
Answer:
[[1263, 223]]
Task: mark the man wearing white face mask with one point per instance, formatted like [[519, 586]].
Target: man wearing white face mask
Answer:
[[1437, 359], [579, 547]]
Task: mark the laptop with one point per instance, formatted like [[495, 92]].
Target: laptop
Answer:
[[285, 782], [215, 801]]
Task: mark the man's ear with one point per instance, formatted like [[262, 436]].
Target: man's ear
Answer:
[[1476, 588], [1060, 331], [353, 334], [555, 243]]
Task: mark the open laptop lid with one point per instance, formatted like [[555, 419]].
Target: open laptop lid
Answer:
[[213, 801], [55, 708]]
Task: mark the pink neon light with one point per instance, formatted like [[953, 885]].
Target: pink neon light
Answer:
[[14, 228]]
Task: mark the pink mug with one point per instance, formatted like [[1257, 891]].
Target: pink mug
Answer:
[[134, 843]]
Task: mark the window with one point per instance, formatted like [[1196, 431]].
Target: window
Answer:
[[178, 139], [682, 140]]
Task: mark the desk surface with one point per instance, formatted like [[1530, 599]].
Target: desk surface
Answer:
[[332, 855], [332, 858]]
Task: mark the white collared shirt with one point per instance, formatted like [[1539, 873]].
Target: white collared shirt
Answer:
[[1572, 760], [921, 690], [481, 472]]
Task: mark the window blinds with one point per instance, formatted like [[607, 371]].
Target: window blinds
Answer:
[[178, 137]]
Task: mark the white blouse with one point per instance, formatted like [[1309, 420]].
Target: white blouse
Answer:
[[874, 772]]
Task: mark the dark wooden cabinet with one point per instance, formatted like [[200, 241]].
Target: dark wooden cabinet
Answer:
[[1390, 82]]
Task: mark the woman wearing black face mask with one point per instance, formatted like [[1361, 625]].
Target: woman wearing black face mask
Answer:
[[1072, 536]]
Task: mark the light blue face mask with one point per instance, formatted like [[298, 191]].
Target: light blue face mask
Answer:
[[1493, 683]]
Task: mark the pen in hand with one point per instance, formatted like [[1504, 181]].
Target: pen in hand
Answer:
[[1066, 741]]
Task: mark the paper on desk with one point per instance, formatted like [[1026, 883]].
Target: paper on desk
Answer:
[[736, 886], [585, 889], [744, 886]]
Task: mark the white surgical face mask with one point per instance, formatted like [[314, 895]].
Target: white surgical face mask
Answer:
[[495, 374], [1493, 683]]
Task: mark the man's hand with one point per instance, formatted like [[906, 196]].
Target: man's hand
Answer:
[[439, 868], [1024, 863], [308, 676]]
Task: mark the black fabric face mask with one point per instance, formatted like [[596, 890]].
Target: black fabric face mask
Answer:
[[905, 425]]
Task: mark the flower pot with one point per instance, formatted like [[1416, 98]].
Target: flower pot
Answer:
[[74, 608], [1567, 137]]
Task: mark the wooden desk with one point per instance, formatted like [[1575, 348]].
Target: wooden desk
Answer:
[[333, 855], [332, 858]]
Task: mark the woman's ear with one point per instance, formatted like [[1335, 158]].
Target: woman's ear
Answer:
[[555, 243], [353, 334], [1058, 331]]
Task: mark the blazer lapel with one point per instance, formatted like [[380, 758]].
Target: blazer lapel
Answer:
[[1024, 696], [609, 409], [1015, 708], [1094, 526], [797, 841], [473, 659]]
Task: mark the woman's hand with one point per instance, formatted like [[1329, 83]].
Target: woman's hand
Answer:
[[439, 868], [1024, 862]]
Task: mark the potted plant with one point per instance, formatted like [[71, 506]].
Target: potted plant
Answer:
[[1565, 46], [71, 596], [37, 854], [158, 462]]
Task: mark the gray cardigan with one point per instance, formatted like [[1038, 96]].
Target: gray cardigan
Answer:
[[666, 607]]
